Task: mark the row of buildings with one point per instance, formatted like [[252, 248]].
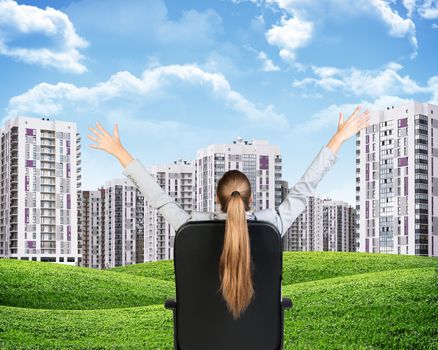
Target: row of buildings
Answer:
[[324, 225], [46, 216]]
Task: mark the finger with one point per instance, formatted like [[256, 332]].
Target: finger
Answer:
[[363, 116], [366, 120], [93, 138], [95, 146], [96, 132], [355, 111], [102, 129], [116, 130], [363, 125], [341, 118], [357, 108], [352, 118]]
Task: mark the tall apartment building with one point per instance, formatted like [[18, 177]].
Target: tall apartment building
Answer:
[[40, 165], [260, 161], [124, 223], [397, 182], [339, 220], [91, 228], [324, 225], [177, 180], [306, 232]]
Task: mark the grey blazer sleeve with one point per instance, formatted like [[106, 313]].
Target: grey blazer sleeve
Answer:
[[154, 194], [297, 199]]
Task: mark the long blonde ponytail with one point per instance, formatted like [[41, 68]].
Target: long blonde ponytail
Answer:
[[235, 262]]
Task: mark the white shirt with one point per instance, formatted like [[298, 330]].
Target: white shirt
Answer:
[[292, 206]]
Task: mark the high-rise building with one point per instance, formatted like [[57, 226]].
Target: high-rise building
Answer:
[[260, 161], [124, 223], [91, 228], [324, 225], [306, 232], [338, 226], [40, 162], [397, 182], [177, 180]]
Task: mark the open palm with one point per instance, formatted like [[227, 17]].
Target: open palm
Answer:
[[105, 140], [353, 124], [110, 144]]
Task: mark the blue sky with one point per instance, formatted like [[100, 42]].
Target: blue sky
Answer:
[[180, 75]]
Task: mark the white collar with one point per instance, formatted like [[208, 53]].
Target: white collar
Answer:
[[220, 215]]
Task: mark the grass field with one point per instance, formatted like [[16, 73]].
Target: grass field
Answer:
[[341, 301]]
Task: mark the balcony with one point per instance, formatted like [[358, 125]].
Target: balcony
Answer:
[[47, 229], [45, 181], [47, 150], [48, 134], [48, 213], [48, 221], [46, 165], [47, 236], [47, 189], [48, 158], [46, 142], [47, 197], [48, 245], [47, 173]]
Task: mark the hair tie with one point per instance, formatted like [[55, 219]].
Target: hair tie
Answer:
[[235, 193]]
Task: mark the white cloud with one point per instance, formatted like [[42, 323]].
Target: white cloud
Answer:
[[410, 6], [290, 35], [433, 85], [17, 20], [429, 9], [398, 27], [48, 99], [363, 82], [268, 65], [308, 13], [434, 26]]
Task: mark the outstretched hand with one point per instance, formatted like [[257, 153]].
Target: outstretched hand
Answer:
[[106, 142], [110, 143], [353, 124], [348, 128]]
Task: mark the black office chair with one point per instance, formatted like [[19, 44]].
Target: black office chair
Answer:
[[201, 319]]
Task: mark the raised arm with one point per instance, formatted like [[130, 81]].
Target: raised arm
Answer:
[[140, 177], [297, 199]]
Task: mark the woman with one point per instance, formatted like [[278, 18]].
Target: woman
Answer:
[[234, 196]]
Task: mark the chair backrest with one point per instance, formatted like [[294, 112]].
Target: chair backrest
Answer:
[[202, 318]]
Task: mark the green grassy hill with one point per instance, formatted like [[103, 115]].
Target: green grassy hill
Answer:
[[341, 301]]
